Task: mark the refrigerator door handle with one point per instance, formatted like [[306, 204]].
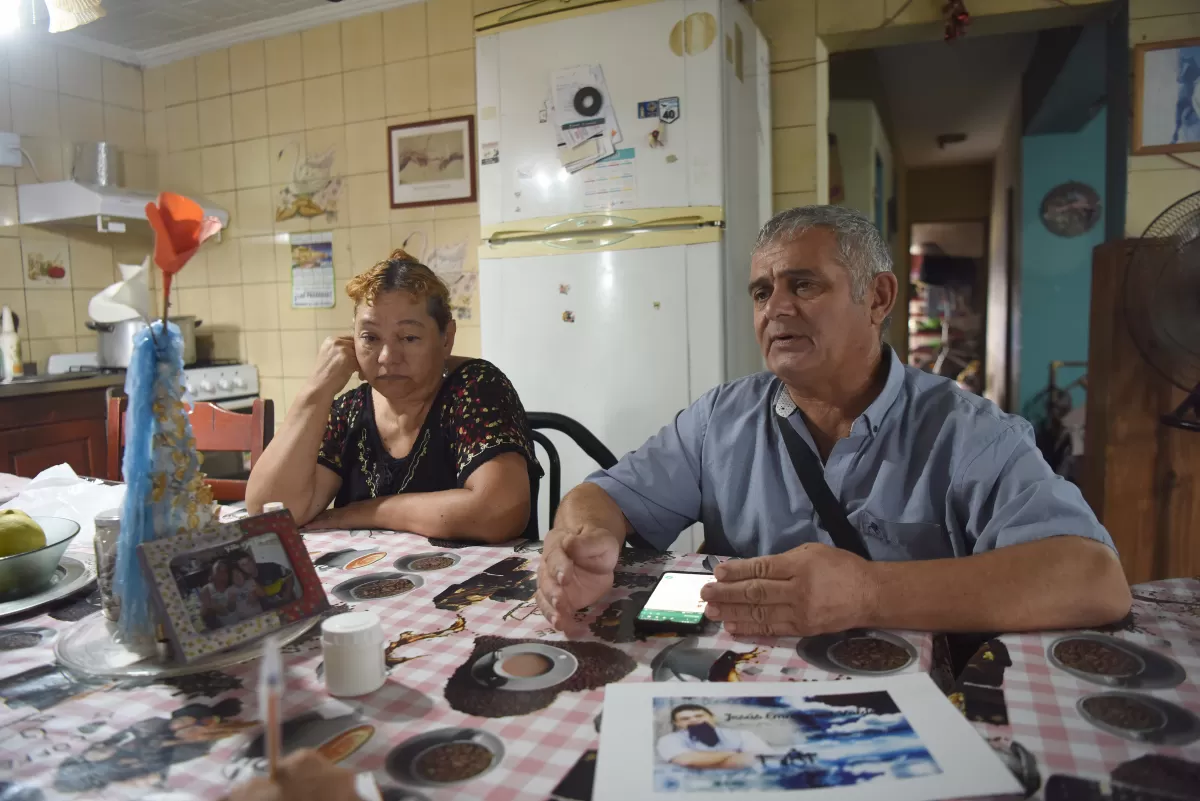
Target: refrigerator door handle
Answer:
[[587, 233]]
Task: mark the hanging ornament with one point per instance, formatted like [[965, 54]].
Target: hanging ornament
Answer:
[[957, 19]]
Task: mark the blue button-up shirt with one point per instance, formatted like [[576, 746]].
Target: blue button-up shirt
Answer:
[[928, 471]]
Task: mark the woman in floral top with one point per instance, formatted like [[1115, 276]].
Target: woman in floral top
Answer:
[[431, 443]]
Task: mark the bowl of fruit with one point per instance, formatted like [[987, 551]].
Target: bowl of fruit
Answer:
[[30, 550]]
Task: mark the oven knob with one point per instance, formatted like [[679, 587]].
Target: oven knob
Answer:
[[239, 383], [206, 387], [224, 385]]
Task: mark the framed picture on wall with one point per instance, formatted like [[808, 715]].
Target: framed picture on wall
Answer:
[[432, 163], [1166, 97]]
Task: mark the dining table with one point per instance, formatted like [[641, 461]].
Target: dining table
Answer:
[[452, 611]]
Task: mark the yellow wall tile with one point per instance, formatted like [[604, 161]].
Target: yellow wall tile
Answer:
[[196, 274], [404, 33], [369, 201], [252, 165], [122, 85], [47, 154], [262, 300], [484, 6], [40, 350], [790, 200], [217, 163], [5, 109], [257, 210], [249, 111], [323, 102], [216, 120], [363, 94], [285, 108], [456, 211], [342, 262], [271, 388], [141, 172], [156, 130], [1152, 191], [34, 111], [247, 66], [321, 50], [451, 26], [790, 27], [362, 42], [284, 60], [125, 127], [415, 238], [794, 158], [33, 64], [291, 319], [258, 259], [226, 344], [465, 231], [794, 97], [366, 147], [48, 313], [1158, 29], [262, 349], [467, 342], [840, 16], [299, 350], [212, 74], [406, 84], [194, 302], [8, 211], [184, 172], [80, 120], [319, 141], [369, 244], [226, 306], [224, 264], [1140, 9], [80, 74], [12, 276], [154, 88], [183, 128], [179, 82], [292, 387], [335, 321], [452, 79], [285, 152], [91, 264]]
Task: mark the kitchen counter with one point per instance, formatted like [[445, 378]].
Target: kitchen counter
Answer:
[[66, 382]]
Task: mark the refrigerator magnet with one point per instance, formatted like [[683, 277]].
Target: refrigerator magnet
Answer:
[[668, 109], [648, 110], [568, 317]]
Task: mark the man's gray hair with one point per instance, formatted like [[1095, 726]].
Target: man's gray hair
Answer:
[[861, 249]]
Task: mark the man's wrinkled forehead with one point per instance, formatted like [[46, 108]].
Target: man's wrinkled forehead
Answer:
[[813, 251]]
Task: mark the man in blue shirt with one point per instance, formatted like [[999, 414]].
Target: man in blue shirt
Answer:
[[968, 528]]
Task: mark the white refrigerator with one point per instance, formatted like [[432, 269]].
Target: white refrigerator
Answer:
[[616, 294]]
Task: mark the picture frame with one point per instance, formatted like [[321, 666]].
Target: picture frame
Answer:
[[229, 585], [432, 163], [1166, 97]]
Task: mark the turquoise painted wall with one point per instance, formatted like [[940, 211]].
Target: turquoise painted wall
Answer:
[[1056, 272]]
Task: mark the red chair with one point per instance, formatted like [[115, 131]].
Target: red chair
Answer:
[[214, 428]]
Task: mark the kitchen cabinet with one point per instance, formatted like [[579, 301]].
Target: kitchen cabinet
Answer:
[[51, 420]]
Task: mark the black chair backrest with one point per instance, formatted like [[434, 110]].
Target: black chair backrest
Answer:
[[579, 434]]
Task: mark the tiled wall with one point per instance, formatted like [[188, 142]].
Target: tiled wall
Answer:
[[1157, 181], [53, 97], [231, 125]]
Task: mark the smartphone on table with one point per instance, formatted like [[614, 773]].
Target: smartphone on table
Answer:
[[675, 604]]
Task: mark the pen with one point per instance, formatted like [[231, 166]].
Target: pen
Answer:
[[270, 693]]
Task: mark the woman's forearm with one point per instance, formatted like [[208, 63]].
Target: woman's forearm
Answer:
[[286, 471], [450, 514]]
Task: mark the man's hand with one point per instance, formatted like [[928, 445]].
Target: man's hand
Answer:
[[813, 589], [303, 776], [576, 571]]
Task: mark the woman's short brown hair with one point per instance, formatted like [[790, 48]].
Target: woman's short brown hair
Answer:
[[400, 272]]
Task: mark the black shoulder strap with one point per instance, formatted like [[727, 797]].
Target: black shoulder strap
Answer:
[[812, 477]]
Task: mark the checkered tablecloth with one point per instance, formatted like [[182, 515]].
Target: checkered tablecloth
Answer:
[[1041, 699], [113, 740]]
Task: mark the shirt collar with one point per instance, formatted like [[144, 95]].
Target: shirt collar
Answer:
[[785, 406]]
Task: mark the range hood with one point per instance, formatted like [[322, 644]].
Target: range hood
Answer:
[[110, 209]]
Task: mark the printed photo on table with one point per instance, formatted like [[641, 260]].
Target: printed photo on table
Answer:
[[228, 584], [1167, 97], [754, 743]]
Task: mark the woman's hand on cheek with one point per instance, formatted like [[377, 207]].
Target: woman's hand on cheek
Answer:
[[336, 364]]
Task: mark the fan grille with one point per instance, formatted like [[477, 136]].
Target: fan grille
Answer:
[[1162, 293]]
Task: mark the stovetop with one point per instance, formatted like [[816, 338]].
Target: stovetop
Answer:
[[215, 380]]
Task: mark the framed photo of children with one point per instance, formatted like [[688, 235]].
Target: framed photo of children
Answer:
[[432, 163], [1166, 97], [218, 589]]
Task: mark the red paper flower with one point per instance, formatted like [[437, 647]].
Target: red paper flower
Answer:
[[179, 229]]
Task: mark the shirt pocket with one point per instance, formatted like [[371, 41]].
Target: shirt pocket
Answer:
[[901, 540]]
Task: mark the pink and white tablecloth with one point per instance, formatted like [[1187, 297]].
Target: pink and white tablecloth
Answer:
[[192, 737]]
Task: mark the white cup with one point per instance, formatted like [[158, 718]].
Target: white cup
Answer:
[[352, 645]]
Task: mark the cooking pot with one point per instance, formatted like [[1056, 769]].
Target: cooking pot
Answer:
[[114, 341]]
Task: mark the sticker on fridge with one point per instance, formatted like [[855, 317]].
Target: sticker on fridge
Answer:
[[312, 270], [611, 183]]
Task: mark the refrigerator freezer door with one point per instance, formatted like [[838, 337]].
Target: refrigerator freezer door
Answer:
[[600, 337], [523, 177]]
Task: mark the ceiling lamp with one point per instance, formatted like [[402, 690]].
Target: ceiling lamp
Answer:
[[68, 14]]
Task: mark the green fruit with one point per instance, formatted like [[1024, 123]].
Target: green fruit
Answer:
[[19, 533]]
